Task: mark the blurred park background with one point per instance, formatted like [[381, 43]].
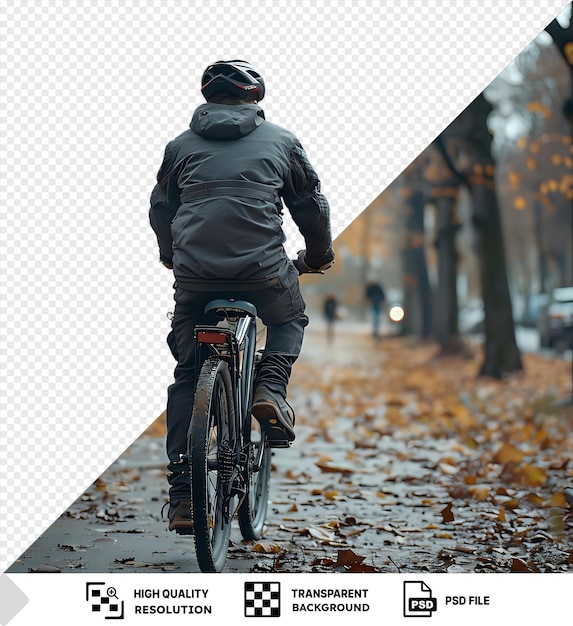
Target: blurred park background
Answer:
[[475, 236]]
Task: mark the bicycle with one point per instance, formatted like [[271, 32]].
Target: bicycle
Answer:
[[229, 459], [229, 456]]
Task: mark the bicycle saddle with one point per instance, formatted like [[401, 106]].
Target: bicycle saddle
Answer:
[[221, 306]]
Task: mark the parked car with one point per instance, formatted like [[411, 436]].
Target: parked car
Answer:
[[471, 318], [555, 321], [537, 303]]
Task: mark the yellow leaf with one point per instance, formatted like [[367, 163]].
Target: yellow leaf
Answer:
[[512, 504], [480, 493], [325, 467], [558, 500], [534, 499], [266, 547], [508, 453], [533, 476], [540, 436], [501, 515]]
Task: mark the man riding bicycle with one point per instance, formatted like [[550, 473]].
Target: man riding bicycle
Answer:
[[216, 210]]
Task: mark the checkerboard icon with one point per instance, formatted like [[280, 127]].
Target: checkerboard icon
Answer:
[[262, 599]]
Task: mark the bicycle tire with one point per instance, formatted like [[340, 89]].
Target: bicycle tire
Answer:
[[253, 510], [212, 423]]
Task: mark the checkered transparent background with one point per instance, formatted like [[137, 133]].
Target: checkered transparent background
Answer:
[[91, 93]]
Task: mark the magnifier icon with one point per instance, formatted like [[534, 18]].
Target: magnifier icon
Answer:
[[111, 592]]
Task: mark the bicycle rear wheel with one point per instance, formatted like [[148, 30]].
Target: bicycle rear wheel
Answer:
[[211, 460], [253, 510]]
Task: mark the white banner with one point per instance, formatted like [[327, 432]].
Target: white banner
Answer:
[[433, 599]]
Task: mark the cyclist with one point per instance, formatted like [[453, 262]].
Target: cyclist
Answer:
[[216, 210]]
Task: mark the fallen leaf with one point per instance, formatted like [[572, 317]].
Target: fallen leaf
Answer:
[[321, 533], [519, 565], [558, 500], [266, 547], [459, 492], [448, 469], [348, 557], [461, 548], [447, 514], [45, 569], [508, 453], [533, 476], [534, 499], [325, 467], [480, 493]]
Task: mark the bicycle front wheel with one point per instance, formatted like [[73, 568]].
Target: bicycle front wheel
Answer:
[[211, 460]]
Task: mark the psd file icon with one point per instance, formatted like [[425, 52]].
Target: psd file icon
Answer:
[[418, 600]]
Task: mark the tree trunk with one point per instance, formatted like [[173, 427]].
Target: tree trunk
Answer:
[[417, 288], [563, 39], [443, 189], [501, 355], [446, 313]]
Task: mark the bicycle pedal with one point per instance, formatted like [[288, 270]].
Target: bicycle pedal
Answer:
[[278, 443], [184, 531]]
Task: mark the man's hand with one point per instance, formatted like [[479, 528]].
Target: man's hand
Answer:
[[304, 268], [169, 266]]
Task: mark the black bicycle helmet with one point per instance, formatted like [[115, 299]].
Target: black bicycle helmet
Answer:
[[236, 77]]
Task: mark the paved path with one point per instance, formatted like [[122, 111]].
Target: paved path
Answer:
[[367, 484]]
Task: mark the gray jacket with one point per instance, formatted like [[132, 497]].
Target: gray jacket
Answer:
[[217, 205]]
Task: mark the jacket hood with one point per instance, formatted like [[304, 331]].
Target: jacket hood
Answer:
[[226, 121]]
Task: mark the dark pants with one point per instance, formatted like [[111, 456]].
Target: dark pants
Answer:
[[281, 309]]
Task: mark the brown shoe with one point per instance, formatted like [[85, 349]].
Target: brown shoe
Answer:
[[275, 416], [180, 518]]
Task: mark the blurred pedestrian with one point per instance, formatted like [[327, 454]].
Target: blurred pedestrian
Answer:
[[376, 297], [330, 310]]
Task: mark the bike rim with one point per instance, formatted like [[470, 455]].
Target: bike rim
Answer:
[[211, 423]]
